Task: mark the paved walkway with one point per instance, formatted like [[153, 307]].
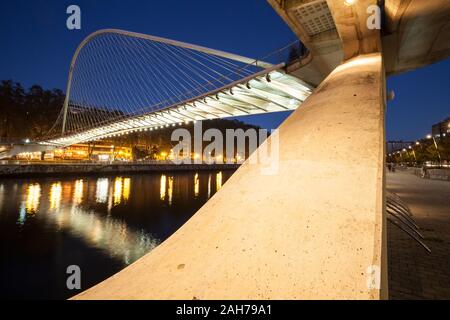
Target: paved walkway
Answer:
[[413, 272]]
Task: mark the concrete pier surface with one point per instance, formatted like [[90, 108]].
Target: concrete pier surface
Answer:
[[413, 272]]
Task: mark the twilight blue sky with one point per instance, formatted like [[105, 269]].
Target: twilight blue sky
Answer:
[[36, 47]]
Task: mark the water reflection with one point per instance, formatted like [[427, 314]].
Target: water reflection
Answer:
[[162, 188], [196, 185], [30, 205], [106, 233], [219, 181], [2, 188], [78, 192], [118, 191], [55, 195], [170, 190], [32, 198], [104, 223], [101, 194], [209, 185], [126, 189], [166, 188]]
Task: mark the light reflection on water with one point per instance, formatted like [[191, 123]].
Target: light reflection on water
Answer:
[[117, 219], [101, 194], [219, 180], [196, 185], [55, 195]]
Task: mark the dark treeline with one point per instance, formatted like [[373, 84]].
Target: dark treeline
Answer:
[[423, 152], [31, 114], [27, 113]]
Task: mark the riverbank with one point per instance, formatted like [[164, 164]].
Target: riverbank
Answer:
[[45, 169]]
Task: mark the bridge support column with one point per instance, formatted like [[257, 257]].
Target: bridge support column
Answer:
[[312, 230]]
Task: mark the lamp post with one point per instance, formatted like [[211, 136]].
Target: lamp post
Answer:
[[436, 146], [413, 152]]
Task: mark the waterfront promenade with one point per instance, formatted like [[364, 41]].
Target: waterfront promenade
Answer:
[[413, 272], [38, 169]]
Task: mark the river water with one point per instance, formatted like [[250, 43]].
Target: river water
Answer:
[[99, 223]]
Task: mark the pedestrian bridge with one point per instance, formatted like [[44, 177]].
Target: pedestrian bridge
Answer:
[[121, 82], [314, 228]]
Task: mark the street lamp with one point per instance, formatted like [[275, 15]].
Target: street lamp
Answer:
[[413, 152], [429, 136]]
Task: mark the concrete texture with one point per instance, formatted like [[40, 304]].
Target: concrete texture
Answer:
[[417, 33], [309, 231], [351, 24], [414, 273], [325, 48]]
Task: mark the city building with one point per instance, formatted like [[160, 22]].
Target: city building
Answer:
[[82, 152], [441, 129]]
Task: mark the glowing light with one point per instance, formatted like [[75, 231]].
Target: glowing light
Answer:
[[170, 190], [117, 191], [429, 136], [126, 189], [219, 181], [162, 188], [209, 186], [101, 195], [78, 192], [417, 143], [196, 185], [349, 2], [361, 61], [32, 198], [55, 195]]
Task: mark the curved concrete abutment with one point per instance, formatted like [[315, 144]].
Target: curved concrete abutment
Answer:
[[313, 229]]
